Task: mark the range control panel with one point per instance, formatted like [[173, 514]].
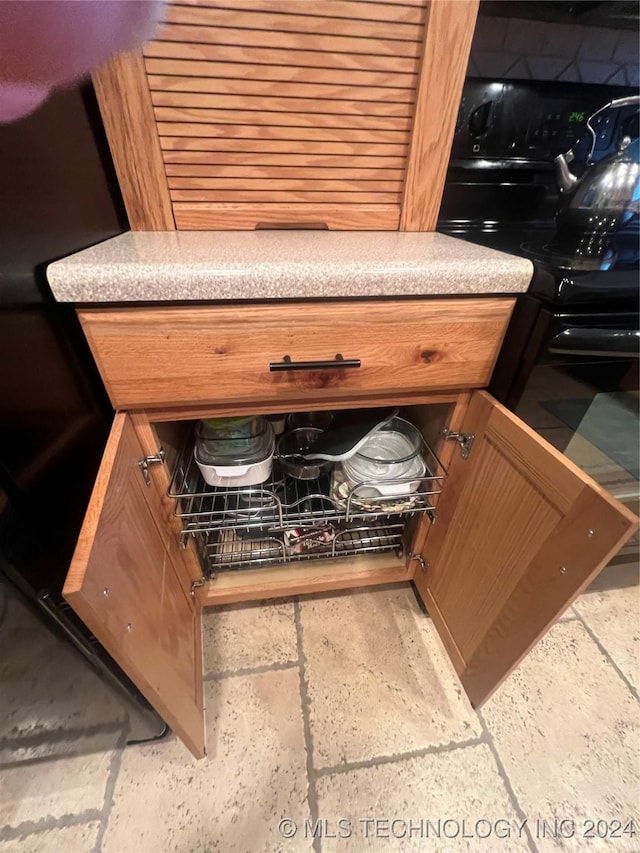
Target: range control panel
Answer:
[[533, 120]]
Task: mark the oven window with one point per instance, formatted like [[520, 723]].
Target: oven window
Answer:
[[588, 409]]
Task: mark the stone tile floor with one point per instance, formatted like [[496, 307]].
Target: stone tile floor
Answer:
[[338, 711]]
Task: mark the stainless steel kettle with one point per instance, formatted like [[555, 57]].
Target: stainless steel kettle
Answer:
[[607, 197]]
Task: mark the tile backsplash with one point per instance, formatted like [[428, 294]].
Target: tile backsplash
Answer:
[[514, 48]]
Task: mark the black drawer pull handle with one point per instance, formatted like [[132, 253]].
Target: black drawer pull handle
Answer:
[[339, 362]]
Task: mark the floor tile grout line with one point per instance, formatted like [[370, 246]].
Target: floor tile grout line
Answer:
[[107, 802], [633, 690], [312, 794], [46, 824], [502, 772], [380, 760], [250, 670]]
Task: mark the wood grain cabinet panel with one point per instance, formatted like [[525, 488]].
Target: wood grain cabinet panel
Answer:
[[182, 356], [521, 532], [236, 95], [131, 593]]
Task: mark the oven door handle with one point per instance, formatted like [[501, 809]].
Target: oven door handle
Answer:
[[578, 340]]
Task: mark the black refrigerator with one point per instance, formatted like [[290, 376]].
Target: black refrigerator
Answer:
[[59, 194]]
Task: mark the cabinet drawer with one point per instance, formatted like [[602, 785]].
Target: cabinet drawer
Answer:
[[173, 356]]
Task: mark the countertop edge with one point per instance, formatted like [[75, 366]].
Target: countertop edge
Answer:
[[114, 272]]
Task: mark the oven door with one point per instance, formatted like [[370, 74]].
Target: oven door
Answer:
[[582, 396]]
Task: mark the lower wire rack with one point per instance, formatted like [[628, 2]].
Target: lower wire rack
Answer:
[[229, 550]]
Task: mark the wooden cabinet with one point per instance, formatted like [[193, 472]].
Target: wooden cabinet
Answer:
[[519, 532], [242, 114]]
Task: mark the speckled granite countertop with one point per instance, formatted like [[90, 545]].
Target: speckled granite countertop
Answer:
[[236, 265]]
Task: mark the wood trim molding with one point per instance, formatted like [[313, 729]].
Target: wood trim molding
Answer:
[[316, 576], [261, 407], [448, 35], [198, 216], [123, 95]]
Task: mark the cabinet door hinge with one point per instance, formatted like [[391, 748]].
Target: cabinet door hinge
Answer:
[[424, 564], [196, 585], [157, 459], [464, 439]]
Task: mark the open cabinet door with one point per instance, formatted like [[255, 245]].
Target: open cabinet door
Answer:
[[520, 532], [131, 593]]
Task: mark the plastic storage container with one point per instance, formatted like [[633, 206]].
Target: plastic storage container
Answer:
[[234, 452]]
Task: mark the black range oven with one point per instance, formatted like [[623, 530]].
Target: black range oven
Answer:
[[569, 364]]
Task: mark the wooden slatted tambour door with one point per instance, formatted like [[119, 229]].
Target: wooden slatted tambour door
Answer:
[[242, 113], [286, 111]]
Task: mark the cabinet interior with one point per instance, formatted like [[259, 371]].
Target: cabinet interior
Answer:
[[288, 531]]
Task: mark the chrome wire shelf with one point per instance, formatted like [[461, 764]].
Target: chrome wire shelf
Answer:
[[227, 550], [284, 502]]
